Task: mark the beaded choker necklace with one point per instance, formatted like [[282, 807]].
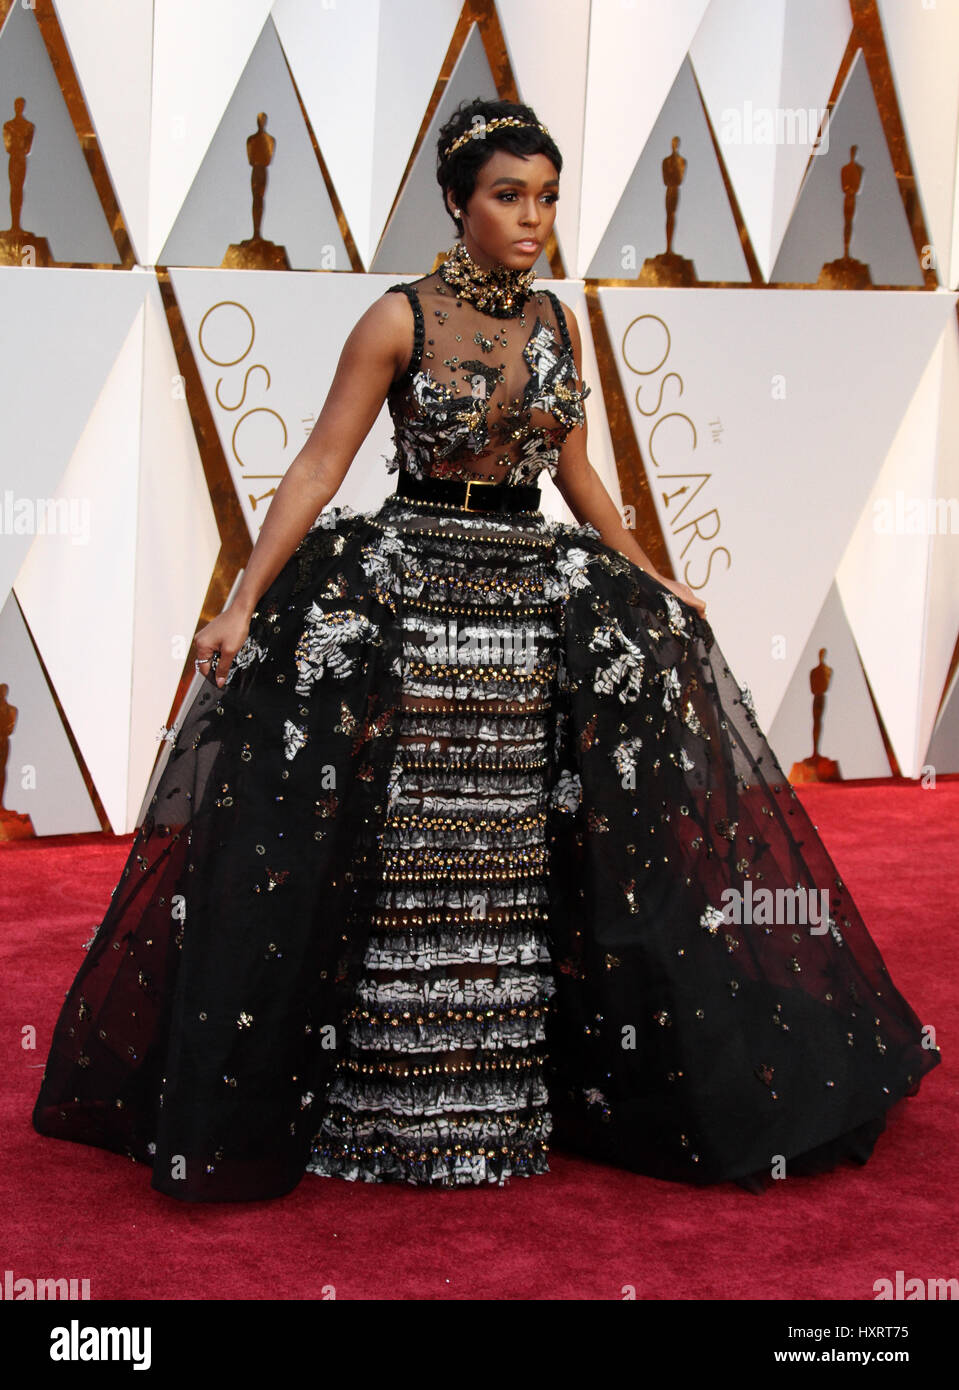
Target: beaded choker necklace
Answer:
[[501, 291]]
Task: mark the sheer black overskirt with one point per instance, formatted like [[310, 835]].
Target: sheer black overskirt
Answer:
[[684, 1046], [198, 1032], [202, 1031]]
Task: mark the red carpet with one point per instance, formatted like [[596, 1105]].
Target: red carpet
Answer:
[[583, 1232]]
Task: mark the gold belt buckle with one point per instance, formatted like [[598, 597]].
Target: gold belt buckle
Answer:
[[471, 484]]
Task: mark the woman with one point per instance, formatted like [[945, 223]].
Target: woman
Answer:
[[446, 858]]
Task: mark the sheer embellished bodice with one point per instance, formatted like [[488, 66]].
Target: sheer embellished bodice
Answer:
[[484, 396]]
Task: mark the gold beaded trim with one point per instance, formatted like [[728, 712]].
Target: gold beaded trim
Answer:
[[475, 610], [446, 672], [462, 581], [482, 128], [449, 1015], [447, 823], [502, 916], [478, 707], [404, 1071], [526, 542]]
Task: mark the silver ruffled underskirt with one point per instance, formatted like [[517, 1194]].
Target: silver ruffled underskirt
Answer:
[[441, 1079]]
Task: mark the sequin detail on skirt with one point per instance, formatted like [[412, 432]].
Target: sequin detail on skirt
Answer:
[[441, 1080]]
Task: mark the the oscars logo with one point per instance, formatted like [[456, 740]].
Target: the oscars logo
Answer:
[[18, 247], [847, 273], [816, 768], [668, 268], [256, 253]]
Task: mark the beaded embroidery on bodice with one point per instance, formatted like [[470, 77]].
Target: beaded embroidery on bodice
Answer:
[[483, 396]]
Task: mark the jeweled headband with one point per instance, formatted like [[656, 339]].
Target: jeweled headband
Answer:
[[477, 132]]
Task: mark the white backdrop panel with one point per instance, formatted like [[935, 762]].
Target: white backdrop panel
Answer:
[[111, 44], [44, 780], [176, 548], [297, 213], [330, 50], [64, 329], [850, 733], [548, 45], [923, 46], [635, 51], [884, 576], [880, 234], [790, 62], [60, 200], [79, 599], [283, 335], [789, 427], [199, 52]]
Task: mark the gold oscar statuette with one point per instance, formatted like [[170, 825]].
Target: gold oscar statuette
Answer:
[[13, 825], [847, 273], [668, 268], [256, 253], [19, 247], [817, 768]]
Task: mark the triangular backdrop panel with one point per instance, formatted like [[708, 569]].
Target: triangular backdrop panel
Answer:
[[705, 229], [624, 98], [850, 734], [113, 614], [922, 46], [79, 599], [365, 72], [298, 216], [106, 39], [880, 230], [60, 200], [941, 627], [176, 550], [328, 50], [904, 608], [199, 52], [943, 751], [63, 330], [788, 67], [43, 779]]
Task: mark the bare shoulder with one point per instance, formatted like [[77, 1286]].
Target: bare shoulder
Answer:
[[385, 329], [390, 315]]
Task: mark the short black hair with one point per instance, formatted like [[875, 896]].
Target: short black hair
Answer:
[[457, 173]]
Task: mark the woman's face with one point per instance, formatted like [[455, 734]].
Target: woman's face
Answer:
[[511, 211]]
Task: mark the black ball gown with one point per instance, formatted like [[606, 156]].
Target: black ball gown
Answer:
[[436, 881]]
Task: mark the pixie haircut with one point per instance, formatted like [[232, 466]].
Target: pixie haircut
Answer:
[[457, 173]]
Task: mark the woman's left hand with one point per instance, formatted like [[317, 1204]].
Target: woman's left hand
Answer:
[[684, 593]]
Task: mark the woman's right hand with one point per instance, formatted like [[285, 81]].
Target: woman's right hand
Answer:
[[226, 635]]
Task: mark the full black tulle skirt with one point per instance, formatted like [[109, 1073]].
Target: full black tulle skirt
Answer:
[[414, 909]]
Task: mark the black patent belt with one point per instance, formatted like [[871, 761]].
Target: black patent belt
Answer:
[[470, 496]]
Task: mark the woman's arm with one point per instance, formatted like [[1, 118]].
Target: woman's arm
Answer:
[[375, 352], [587, 498]]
